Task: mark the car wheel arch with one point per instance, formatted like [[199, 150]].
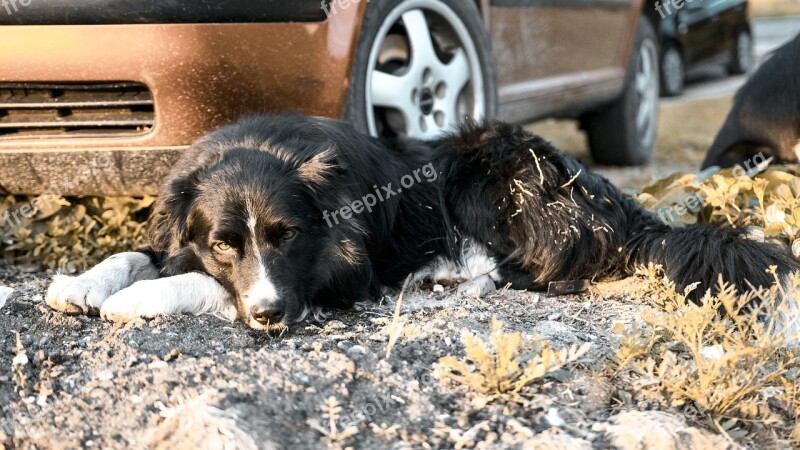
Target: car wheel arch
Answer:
[[650, 12]]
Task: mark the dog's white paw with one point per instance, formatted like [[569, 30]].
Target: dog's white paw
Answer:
[[191, 293], [142, 299], [77, 295], [86, 293]]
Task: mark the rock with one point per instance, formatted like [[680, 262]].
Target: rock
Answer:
[[105, 375], [554, 418], [5, 293], [713, 352], [477, 287], [553, 330], [554, 440], [356, 351], [155, 365], [657, 431]]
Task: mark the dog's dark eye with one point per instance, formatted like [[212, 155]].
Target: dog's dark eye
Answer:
[[289, 234], [223, 247]]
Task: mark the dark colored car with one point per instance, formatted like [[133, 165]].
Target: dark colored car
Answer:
[[140, 80], [704, 32]]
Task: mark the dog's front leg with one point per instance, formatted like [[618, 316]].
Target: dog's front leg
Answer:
[[190, 293], [86, 293]]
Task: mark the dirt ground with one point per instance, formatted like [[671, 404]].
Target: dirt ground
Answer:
[[199, 382], [188, 382], [774, 8]]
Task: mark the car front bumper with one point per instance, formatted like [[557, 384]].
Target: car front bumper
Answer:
[[201, 76]]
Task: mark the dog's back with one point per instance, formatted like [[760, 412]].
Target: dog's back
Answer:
[[765, 117]]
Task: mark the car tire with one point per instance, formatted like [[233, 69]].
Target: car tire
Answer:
[[741, 54], [673, 71], [421, 67], [623, 133]]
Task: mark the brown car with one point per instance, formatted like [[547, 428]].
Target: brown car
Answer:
[[137, 81]]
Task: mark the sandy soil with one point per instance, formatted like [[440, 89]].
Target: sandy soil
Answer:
[[774, 8]]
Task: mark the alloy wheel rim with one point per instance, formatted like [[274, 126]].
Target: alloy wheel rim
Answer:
[[424, 74]]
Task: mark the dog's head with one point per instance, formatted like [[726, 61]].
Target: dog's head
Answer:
[[253, 220]]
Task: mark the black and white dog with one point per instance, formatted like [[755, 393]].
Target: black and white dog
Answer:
[[765, 117], [273, 217]]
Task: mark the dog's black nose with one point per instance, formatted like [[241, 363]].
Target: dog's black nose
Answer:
[[267, 314]]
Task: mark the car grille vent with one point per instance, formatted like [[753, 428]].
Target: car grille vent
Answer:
[[48, 110]]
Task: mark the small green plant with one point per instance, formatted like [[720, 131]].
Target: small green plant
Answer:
[[506, 363]]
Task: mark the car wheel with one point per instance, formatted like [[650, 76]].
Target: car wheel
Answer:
[[421, 68], [673, 72], [624, 132], [742, 54]]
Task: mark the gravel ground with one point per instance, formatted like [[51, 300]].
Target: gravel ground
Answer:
[[198, 382]]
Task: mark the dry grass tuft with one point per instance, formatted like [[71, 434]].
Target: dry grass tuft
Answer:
[[720, 358], [18, 367], [767, 202], [395, 329], [505, 364], [193, 423], [71, 234], [331, 413]]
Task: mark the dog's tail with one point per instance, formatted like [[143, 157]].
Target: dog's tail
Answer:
[[701, 253]]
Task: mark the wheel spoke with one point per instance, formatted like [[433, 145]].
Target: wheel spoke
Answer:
[[642, 114], [641, 83], [648, 64], [456, 73], [644, 74], [645, 109], [390, 90], [430, 125], [419, 35]]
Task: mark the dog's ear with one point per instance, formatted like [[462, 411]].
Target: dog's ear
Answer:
[[184, 194], [319, 168], [168, 226]]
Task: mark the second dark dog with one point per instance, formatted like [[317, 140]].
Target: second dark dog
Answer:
[[765, 117]]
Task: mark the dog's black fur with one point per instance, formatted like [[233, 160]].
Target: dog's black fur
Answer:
[[540, 214], [765, 117]]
